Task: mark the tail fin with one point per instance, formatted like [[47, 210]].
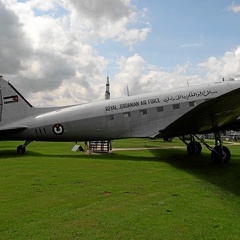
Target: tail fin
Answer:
[[13, 106]]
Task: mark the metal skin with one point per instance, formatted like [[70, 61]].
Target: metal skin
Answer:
[[139, 116]]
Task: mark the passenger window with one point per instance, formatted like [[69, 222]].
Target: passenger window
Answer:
[[192, 104], [143, 111], [110, 117], [127, 115], [160, 109], [176, 106]]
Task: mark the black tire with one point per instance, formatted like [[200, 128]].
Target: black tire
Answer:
[[220, 155], [194, 148], [167, 139], [21, 149]]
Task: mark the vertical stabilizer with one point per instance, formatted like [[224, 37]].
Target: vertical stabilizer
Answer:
[[13, 106]]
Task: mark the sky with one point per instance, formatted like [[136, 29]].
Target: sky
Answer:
[[60, 52]]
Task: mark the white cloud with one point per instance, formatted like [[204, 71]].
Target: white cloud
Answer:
[[234, 8], [107, 19], [49, 48], [226, 66], [141, 77], [103, 10]]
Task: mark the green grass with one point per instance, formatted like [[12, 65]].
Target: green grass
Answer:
[[53, 193]]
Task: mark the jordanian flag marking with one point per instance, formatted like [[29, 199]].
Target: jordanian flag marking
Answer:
[[10, 99]]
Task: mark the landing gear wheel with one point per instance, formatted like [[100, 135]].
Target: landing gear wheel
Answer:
[[194, 148], [167, 139], [21, 149], [220, 155]]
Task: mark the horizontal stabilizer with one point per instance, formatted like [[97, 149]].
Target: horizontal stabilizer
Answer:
[[12, 129]]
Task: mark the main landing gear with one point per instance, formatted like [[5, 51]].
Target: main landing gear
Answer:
[[21, 149], [219, 154]]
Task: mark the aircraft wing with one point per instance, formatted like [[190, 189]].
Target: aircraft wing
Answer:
[[210, 116]]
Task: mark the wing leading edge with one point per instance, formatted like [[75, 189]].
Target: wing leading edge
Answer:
[[210, 116]]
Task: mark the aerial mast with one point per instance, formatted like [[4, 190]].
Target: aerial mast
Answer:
[[107, 93]]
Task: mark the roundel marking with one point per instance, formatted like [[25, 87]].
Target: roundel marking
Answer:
[[58, 129]]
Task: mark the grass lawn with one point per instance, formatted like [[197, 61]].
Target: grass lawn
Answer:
[[53, 193]]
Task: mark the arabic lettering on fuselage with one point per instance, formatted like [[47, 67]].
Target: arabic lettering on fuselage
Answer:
[[203, 93], [168, 99]]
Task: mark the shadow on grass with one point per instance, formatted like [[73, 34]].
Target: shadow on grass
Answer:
[[4, 154], [225, 176]]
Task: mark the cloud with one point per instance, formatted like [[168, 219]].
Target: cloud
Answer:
[[107, 19], [48, 46], [48, 50], [103, 10], [13, 42], [40, 52], [226, 66], [141, 77], [234, 8]]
